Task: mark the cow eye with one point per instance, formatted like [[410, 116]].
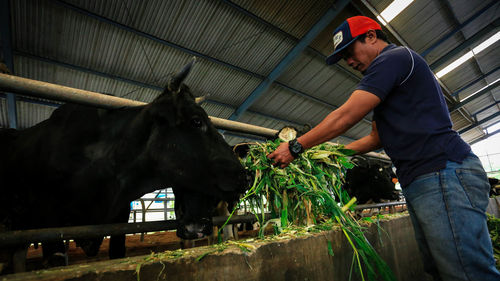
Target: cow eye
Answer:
[[196, 122]]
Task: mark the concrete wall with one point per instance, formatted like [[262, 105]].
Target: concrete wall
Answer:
[[303, 258]]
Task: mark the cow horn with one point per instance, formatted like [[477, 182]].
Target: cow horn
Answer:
[[176, 81]]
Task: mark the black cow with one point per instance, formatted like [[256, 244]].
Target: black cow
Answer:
[[370, 180], [84, 165], [495, 186]]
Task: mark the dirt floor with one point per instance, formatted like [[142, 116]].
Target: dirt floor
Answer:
[[153, 242]]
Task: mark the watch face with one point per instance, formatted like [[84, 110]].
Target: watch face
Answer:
[[296, 147]]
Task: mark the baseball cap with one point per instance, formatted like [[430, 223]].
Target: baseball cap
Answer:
[[347, 32]]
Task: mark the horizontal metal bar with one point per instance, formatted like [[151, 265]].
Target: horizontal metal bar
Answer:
[[475, 81], [475, 124], [46, 90], [61, 93], [485, 137], [379, 205], [155, 210], [156, 199], [476, 95], [56, 92], [75, 232], [19, 237], [466, 44], [485, 108]]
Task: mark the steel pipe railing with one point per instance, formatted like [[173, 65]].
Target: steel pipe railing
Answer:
[[379, 205], [157, 199], [20, 237], [29, 87], [153, 210]]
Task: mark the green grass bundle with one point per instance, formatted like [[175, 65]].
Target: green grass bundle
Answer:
[[304, 194]]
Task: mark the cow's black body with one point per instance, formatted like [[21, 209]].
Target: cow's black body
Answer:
[[370, 180], [494, 183], [84, 165]]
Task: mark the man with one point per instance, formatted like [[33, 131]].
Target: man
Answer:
[[445, 185]]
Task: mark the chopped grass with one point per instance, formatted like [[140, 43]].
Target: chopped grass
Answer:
[[308, 192]]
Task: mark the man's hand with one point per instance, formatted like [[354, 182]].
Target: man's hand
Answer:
[[281, 155]]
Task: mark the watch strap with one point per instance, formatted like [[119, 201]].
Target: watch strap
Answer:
[[295, 148]]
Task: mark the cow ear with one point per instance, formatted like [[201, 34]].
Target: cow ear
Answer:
[[200, 100], [174, 84]]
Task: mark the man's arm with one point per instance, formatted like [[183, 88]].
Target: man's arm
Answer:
[[367, 143], [337, 122]]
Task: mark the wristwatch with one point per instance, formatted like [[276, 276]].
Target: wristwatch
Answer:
[[295, 148]]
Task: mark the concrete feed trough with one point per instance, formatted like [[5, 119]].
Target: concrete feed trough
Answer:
[[281, 258]]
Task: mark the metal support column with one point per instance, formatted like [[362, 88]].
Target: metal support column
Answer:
[[5, 32]]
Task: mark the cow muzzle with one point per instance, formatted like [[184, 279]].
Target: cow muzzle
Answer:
[[195, 230]]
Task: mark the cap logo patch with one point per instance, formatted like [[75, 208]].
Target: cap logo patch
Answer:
[[337, 39]]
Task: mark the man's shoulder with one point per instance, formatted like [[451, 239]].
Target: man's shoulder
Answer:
[[392, 57], [393, 52]]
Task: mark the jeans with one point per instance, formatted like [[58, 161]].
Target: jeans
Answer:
[[447, 209]]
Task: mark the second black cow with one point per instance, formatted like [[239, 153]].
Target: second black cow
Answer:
[[370, 181]]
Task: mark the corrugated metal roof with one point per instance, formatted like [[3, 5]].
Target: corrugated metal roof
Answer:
[[473, 134], [37, 113], [239, 44]]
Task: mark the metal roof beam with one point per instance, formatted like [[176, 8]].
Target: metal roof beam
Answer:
[[475, 81], [485, 137], [290, 57], [475, 96], [277, 29], [485, 108], [33, 101], [475, 124], [5, 32], [466, 44], [309, 48], [90, 71], [458, 28]]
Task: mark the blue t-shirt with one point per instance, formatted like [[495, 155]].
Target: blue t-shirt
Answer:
[[412, 118]]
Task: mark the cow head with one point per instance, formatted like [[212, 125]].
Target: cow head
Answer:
[[188, 153], [370, 179]]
